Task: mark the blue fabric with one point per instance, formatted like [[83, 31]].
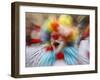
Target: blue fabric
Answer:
[[70, 55], [47, 59]]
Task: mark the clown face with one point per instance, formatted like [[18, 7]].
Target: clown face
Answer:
[[57, 42]]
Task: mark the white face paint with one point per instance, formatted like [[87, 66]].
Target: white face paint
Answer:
[[64, 30]]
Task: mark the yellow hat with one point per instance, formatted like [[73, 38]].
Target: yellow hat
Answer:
[[66, 20]]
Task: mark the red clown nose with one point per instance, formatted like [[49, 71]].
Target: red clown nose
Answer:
[[55, 36]]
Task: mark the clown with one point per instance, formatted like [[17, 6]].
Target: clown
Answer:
[[62, 35], [58, 37]]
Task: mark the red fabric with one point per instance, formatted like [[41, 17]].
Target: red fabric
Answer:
[[60, 55], [36, 41], [49, 48]]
